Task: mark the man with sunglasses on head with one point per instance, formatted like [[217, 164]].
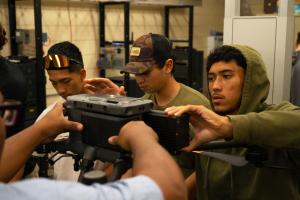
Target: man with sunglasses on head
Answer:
[[65, 69], [12, 92]]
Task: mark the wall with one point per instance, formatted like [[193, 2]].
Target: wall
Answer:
[[78, 23], [256, 7]]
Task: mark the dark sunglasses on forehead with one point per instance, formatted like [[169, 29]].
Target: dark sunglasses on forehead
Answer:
[[57, 61]]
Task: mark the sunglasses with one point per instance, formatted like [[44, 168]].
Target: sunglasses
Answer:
[[57, 61], [9, 112]]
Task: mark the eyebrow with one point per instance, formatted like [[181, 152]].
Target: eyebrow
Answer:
[[225, 70], [146, 72], [60, 80]]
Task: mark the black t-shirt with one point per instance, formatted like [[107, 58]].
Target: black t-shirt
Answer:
[[12, 80], [13, 86]]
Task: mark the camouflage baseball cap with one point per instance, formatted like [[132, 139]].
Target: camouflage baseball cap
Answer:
[[146, 51]]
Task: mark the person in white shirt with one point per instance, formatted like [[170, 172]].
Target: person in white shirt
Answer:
[[151, 181]]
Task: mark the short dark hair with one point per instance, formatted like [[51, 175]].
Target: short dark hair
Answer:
[[3, 38], [162, 50], [226, 53], [71, 51]]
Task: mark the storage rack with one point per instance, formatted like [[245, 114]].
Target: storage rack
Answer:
[[189, 41], [126, 7], [39, 76]]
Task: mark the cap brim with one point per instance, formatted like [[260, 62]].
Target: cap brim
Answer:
[[137, 67]]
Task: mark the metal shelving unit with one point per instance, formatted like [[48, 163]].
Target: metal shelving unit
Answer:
[[39, 76], [126, 7], [127, 41], [189, 41], [102, 4]]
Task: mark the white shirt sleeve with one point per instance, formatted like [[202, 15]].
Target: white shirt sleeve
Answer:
[[136, 188]]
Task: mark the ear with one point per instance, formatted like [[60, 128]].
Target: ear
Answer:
[[82, 74], [169, 65]]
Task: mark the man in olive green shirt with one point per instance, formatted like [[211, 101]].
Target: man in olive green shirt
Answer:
[[152, 63]]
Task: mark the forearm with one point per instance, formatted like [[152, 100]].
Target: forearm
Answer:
[[19, 175], [269, 128], [190, 183], [156, 163], [17, 150]]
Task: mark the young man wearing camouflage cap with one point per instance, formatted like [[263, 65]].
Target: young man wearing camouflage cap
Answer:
[[152, 63]]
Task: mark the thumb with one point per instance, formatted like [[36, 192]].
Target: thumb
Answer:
[[88, 89], [113, 140], [74, 126], [122, 90], [193, 145]]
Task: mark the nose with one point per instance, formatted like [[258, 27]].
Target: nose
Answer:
[[140, 79], [216, 85], [61, 90]]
